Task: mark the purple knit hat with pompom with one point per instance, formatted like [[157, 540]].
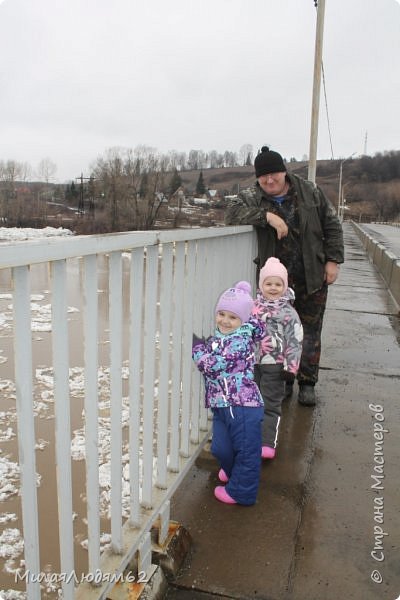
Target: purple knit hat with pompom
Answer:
[[237, 300]]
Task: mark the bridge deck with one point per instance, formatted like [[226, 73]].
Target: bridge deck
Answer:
[[326, 521]]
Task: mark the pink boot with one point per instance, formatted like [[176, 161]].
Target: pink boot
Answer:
[[222, 476], [267, 452], [222, 495]]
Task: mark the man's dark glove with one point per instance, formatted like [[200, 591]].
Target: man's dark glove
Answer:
[[286, 376], [196, 340]]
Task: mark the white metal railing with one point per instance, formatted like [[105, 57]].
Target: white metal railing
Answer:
[[162, 287]]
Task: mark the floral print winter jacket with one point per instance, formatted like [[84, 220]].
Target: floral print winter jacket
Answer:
[[282, 343], [227, 365]]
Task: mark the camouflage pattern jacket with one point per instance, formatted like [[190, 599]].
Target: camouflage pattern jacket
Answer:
[[321, 234]]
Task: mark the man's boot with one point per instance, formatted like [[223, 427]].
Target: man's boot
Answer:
[[306, 395]]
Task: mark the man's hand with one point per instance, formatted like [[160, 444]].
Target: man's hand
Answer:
[[278, 224], [331, 272]]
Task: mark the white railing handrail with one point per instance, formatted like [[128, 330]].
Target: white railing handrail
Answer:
[[62, 248]]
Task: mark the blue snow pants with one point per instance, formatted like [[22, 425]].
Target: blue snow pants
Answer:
[[236, 444]]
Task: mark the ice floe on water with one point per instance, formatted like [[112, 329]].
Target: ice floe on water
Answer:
[[11, 545], [40, 317], [9, 478], [18, 234]]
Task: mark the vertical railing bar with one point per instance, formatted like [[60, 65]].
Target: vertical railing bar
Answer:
[[62, 421], [218, 282], [245, 244], [204, 259], [231, 274], [165, 516], [164, 362], [187, 346], [115, 300], [149, 371], [90, 329], [145, 554], [198, 285], [135, 359], [26, 426], [252, 248], [176, 355]]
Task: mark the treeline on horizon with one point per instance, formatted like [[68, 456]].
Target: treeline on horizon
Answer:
[[127, 188], [383, 166]]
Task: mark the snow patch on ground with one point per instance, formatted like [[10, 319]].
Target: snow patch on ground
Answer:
[[20, 234]]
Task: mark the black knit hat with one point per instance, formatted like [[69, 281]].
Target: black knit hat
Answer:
[[268, 161]]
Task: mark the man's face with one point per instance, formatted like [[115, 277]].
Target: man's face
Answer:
[[273, 184]]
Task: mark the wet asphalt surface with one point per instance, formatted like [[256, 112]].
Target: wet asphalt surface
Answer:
[[387, 235], [326, 524]]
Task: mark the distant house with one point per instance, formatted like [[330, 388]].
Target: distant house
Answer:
[[200, 201], [177, 198], [214, 195]]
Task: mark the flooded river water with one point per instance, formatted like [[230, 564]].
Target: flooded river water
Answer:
[[11, 540]]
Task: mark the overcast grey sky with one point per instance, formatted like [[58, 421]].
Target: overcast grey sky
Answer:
[[80, 76]]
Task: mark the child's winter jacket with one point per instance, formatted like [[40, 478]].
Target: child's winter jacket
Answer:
[[227, 364], [282, 343]]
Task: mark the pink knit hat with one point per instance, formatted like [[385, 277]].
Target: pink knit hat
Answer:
[[237, 300], [274, 267]]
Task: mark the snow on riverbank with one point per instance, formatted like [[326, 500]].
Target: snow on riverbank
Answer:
[[20, 234]]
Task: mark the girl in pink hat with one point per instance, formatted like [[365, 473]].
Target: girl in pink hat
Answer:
[[280, 349]]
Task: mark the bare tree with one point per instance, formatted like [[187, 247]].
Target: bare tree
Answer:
[[245, 154], [132, 182], [193, 160], [11, 172], [202, 158], [173, 156], [46, 170], [110, 171], [230, 159], [182, 161], [213, 159]]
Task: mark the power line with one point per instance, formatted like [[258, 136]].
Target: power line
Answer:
[[326, 108]]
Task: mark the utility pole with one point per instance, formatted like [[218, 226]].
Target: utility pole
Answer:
[[81, 204], [340, 193], [312, 164]]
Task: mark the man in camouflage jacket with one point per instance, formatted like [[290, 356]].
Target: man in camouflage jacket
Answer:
[[296, 223]]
